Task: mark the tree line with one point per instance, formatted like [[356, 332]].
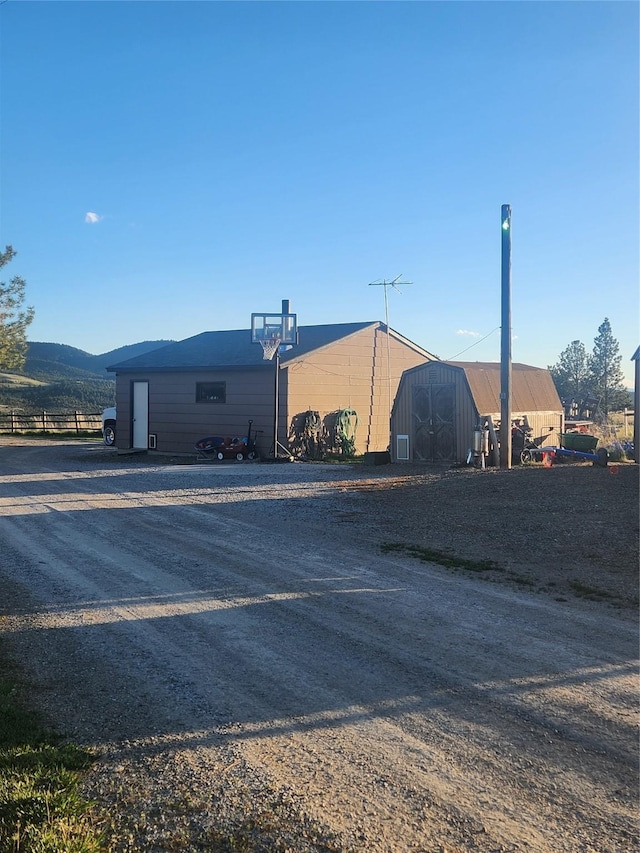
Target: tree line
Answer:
[[592, 381]]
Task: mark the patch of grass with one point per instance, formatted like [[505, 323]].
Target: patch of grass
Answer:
[[331, 458], [522, 580], [590, 592], [182, 824], [17, 380], [41, 810], [442, 558]]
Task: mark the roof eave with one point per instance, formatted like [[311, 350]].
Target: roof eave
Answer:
[[187, 368], [411, 344]]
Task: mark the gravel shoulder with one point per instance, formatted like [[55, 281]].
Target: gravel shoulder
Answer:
[[255, 654]]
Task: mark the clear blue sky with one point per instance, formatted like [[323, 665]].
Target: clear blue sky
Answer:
[[169, 167]]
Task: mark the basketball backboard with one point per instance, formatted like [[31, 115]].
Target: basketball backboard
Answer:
[[282, 327]]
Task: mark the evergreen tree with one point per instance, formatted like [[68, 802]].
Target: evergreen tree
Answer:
[[13, 320], [571, 374], [605, 368]]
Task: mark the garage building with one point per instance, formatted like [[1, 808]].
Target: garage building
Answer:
[[214, 383]]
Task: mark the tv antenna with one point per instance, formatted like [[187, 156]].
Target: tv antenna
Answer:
[[394, 284]]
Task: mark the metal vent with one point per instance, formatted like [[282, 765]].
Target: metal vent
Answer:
[[153, 442], [402, 448]]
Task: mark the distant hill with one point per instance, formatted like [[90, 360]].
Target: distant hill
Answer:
[[61, 378], [59, 361]]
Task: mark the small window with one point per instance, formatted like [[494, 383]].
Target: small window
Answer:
[[211, 392]]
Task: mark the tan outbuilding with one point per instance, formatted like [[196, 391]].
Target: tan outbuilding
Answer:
[[440, 404], [213, 384]]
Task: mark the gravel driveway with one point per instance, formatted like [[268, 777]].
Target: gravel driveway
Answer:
[[263, 665]]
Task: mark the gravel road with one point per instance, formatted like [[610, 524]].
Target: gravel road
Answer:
[[253, 670]]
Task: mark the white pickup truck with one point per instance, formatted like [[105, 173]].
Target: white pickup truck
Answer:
[[109, 426]]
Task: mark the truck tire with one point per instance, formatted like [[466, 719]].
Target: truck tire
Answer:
[[110, 433]]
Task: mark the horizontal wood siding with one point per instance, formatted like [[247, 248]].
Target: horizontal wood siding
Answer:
[[179, 421], [545, 426], [352, 374]]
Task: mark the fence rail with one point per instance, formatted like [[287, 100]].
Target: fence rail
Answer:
[[49, 422]]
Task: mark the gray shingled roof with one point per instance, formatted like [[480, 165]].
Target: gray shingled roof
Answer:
[[212, 350]]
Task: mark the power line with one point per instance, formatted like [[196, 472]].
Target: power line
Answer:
[[474, 344]]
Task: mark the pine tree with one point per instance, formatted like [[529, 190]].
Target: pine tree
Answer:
[[605, 368], [571, 374], [13, 320]]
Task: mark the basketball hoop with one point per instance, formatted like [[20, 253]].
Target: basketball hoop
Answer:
[[271, 331], [269, 347]]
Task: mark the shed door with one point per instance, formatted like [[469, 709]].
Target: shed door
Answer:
[[433, 419]]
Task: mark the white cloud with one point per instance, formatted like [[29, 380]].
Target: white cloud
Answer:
[[467, 333], [92, 218]]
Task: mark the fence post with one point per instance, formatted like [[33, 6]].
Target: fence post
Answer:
[[13, 421], [77, 424], [44, 421]]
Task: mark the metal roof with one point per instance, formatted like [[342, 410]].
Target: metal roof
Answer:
[[226, 349], [532, 388]]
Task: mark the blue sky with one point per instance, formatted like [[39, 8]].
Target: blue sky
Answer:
[[169, 167]]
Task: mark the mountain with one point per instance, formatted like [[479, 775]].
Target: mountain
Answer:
[[60, 378]]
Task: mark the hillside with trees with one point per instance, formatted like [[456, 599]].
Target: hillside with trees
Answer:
[[57, 361], [61, 378]]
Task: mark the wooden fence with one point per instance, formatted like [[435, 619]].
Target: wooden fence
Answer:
[[45, 422]]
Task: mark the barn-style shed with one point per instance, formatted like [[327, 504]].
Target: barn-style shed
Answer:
[[439, 404], [212, 384]]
